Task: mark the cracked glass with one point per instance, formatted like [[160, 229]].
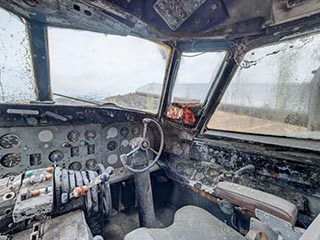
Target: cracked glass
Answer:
[[276, 91], [16, 77]]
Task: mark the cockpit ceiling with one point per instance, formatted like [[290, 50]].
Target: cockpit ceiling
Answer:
[[167, 19]]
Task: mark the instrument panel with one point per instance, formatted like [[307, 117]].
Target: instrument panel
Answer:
[[36, 136], [79, 147]]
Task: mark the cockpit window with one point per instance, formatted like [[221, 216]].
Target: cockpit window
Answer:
[[196, 73], [276, 91], [16, 76], [104, 69]]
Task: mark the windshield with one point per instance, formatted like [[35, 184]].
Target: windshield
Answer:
[[16, 76], [276, 91], [102, 69]]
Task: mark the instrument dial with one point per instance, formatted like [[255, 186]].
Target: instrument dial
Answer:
[[56, 156], [10, 160], [73, 136], [91, 164], [90, 135], [135, 131], [75, 166], [9, 141], [45, 136], [124, 132], [112, 145], [112, 132]]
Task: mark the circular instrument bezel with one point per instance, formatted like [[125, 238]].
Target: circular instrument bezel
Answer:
[[73, 136], [11, 139], [16, 157]]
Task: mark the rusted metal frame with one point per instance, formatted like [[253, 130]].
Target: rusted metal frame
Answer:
[[168, 83], [192, 46], [218, 89], [284, 31], [38, 39]]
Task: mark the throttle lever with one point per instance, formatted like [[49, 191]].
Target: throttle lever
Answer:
[[81, 191]]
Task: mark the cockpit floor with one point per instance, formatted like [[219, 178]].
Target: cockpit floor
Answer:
[[123, 223]]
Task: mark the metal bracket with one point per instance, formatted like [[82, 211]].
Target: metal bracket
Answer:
[[282, 228]]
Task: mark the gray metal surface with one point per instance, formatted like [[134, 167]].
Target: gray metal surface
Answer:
[[144, 197], [71, 226], [29, 205], [175, 12], [284, 228]]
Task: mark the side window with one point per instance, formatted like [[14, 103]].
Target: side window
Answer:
[[276, 91], [16, 77]]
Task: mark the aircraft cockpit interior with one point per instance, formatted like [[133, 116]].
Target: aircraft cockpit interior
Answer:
[[159, 119]]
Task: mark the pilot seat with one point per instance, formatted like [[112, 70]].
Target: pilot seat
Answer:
[[274, 217]]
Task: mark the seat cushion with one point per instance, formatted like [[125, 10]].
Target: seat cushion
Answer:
[[190, 223]]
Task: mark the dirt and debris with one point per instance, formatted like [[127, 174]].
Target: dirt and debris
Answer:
[[183, 112]]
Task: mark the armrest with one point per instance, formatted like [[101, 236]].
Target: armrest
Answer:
[[251, 199]]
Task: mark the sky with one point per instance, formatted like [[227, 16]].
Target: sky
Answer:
[[84, 63]]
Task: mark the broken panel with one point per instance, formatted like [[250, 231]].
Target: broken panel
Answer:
[[35, 196], [176, 12]]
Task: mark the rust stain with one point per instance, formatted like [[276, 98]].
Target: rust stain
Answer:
[[181, 112]]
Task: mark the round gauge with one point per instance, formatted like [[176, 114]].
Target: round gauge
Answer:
[[75, 166], [90, 135], [45, 136], [112, 159], [56, 156], [10, 160], [124, 131], [9, 140], [10, 174], [73, 136], [112, 145], [125, 143], [135, 131], [112, 132], [91, 164]]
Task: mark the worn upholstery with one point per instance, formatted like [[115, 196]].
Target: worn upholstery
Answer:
[[252, 199], [190, 223]]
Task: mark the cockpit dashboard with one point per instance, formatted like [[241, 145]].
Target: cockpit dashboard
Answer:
[[76, 138]]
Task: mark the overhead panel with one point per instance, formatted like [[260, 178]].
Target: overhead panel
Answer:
[[176, 12]]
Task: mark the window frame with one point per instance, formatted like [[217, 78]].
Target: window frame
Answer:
[[214, 46], [167, 67], [280, 141]]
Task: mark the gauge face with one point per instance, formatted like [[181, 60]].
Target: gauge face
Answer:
[[112, 159], [45, 136], [112, 145], [135, 131], [56, 156], [91, 164], [76, 166], [73, 136], [10, 160], [124, 131], [112, 132], [90, 135], [9, 141]]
